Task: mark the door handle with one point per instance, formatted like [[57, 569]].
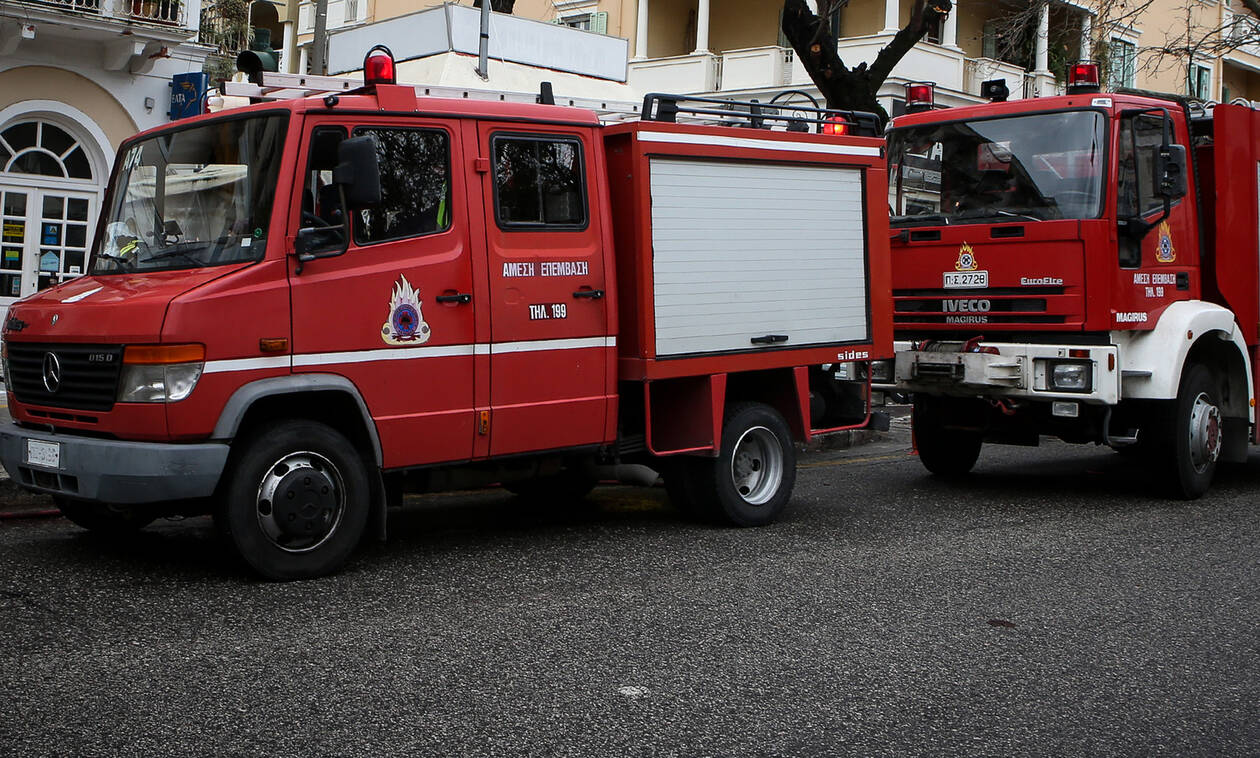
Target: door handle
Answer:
[[462, 298], [769, 339], [592, 294]]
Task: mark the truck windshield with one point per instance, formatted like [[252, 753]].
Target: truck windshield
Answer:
[[1032, 167], [192, 198]]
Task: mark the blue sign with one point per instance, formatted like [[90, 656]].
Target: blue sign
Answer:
[[188, 94]]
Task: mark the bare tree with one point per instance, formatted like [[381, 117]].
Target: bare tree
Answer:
[[1191, 42], [855, 88]]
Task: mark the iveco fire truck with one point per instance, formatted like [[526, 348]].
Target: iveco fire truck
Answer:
[[1082, 266], [298, 310]]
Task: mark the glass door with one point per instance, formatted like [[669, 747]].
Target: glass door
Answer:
[[13, 231], [43, 238]]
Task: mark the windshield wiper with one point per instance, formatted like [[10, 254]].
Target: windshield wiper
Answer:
[[927, 219], [171, 253]]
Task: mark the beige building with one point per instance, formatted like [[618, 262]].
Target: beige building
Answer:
[[735, 47]]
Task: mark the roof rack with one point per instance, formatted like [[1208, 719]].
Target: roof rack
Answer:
[[655, 107]]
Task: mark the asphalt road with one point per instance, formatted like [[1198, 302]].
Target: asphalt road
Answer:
[[1055, 605]]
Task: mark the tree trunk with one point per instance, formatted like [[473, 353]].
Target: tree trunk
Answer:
[[854, 88]]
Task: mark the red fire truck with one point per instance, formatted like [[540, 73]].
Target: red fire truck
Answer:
[[1082, 266], [299, 310]]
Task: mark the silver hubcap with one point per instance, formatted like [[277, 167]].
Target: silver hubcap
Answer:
[[1205, 432], [757, 465], [300, 502]]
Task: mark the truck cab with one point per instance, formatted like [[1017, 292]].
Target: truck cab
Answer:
[[1053, 275]]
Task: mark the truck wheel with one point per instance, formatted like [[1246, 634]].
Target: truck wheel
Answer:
[[750, 482], [106, 519], [297, 500], [1193, 443], [943, 451]]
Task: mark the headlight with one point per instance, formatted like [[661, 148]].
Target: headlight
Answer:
[[159, 373], [1075, 376], [158, 384]]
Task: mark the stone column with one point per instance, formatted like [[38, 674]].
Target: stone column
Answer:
[[949, 34], [892, 15], [702, 27], [1087, 42], [1043, 38], [641, 33]]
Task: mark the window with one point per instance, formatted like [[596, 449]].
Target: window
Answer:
[[1123, 64], [38, 147], [539, 181], [591, 22], [1200, 84], [1140, 138], [415, 167], [321, 201]]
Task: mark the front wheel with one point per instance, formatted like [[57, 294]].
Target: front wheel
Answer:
[[1192, 442], [943, 449], [751, 480], [297, 500]]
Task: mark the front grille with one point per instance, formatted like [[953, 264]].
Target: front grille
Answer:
[[89, 375]]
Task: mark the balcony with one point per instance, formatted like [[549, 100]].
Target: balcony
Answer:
[[164, 12]]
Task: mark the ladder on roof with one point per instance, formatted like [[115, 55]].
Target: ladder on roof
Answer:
[[290, 86], [689, 109]]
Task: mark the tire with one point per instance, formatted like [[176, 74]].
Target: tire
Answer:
[[103, 518], [1191, 443], [751, 480], [296, 501], [943, 451]]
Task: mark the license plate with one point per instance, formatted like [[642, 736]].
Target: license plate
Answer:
[[40, 453], [966, 279]]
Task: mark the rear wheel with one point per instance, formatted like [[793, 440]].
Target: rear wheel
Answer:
[[105, 518], [751, 480], [1192, 440], [943, 449], [297, 500]]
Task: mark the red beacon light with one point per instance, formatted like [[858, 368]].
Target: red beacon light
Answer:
[[1083, 77], [378, 66], [836, 125], [920, 96]]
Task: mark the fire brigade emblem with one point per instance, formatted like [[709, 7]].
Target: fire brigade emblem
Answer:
[[1165, 252], [405, 325], [966, 259]]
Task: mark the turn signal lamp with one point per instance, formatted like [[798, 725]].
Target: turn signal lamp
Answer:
[[1083, 77], [920, 96], [378, 66]]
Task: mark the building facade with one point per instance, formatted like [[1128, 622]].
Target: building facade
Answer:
[[76, 78]]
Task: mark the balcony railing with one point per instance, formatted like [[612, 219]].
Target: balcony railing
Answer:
[[165, 12]]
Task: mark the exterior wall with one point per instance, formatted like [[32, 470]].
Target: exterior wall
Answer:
[[1240, 82], [862, 17], [671, 29], [737, 24], [30, 83]]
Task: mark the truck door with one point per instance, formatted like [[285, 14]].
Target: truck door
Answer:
[[394, 313], [549, 386]]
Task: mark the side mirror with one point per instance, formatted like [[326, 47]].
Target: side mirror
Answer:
[[1170, 170], [358, 172]]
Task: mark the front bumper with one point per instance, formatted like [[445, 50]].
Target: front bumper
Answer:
[[1016, 370], [113, 471]]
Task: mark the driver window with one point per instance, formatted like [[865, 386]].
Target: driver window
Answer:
[[321, 202], [1140, 138]]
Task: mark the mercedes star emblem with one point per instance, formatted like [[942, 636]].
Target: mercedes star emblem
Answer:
[[52, 372]]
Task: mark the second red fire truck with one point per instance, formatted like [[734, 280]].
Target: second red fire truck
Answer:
[[1082, 266]]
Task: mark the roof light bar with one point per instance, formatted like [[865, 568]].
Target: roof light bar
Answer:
[[378, 66], [1083, 77], [920, 96]]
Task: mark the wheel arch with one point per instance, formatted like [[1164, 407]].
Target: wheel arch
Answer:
[[339, 404], [1187, 331]]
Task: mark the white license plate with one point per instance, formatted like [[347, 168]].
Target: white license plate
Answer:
[[40, 453], [966, 279]]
